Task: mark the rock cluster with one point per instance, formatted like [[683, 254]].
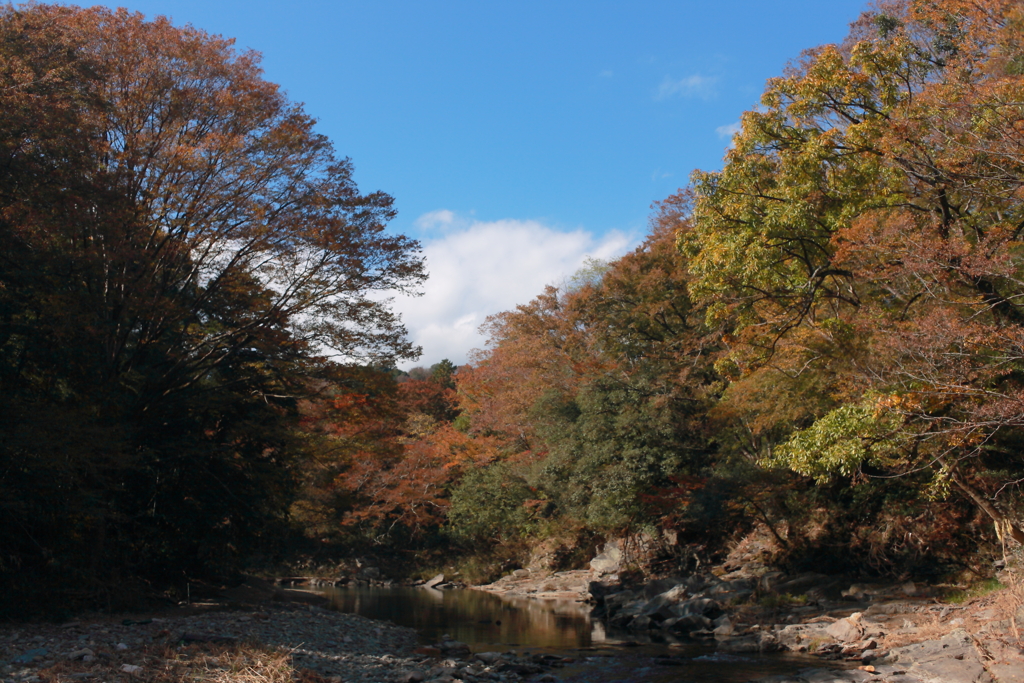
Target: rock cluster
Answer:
[[883, 631], [459, 664], [691, 606]]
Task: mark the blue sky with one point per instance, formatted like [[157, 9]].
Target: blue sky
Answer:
[[518, 137]]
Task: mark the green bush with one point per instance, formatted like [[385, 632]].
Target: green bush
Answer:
[[488, 504]]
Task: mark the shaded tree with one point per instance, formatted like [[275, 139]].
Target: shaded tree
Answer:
[[178, 246]]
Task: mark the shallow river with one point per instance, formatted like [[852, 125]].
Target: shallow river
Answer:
[[487, 623]]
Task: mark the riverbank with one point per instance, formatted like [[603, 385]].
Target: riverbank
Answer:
[[261, 633], [903, 632], [252, 633], [276, 643]]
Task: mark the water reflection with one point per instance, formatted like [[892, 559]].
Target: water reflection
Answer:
[[487, 622], [479, 619]]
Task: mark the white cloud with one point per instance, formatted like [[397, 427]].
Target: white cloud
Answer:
[[480, 268], [440, 219], [607, 73], [695, 85], [728, 131]]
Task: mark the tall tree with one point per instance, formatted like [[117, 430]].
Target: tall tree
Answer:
[[177, 246], [864, 234], [601, 388]]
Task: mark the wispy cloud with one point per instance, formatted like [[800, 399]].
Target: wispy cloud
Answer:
[[607, 73], [691, 86], [729, 130], [441, 219], [480, 268]]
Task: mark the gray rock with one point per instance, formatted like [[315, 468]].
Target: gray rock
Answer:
[[751, 643], [602, 564], [436, 581], [824, 676], [641, 623], [609, 560], [617, 601], [952, 659], [676, 595], [770, 580], [659, 586], [488, 657], [798, 637], [597, 590], [892, 607], [30, 656], [688, 623], [846, 630], [701, 606]]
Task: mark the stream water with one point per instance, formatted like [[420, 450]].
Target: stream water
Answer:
[[491, 623]]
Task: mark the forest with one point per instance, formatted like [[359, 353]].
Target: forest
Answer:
[[823, 340]]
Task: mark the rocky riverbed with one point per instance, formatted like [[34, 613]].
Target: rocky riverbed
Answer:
[[881, 632], [271, 643], [261, 633]]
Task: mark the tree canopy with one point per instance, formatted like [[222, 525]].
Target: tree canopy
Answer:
[[180, 252]]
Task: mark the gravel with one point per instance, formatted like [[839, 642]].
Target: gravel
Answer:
[[324, 646]]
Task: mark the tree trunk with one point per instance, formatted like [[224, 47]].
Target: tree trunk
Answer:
[[1004, 527]]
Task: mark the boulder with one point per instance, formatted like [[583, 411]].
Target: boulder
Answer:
[[664, 606], [702, 606], [609, 560], [734, 591], [676, 594], [617, 601], [436, 581], [952, 659], [848, 630], [723, 627], [597, 590], [640, 623], [688, 623], [798, 637], [659, 586]]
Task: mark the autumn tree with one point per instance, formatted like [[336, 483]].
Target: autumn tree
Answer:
[[862, 241], [598, 389], [178, 247]]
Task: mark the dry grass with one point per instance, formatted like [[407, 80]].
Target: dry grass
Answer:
[[197, 663]]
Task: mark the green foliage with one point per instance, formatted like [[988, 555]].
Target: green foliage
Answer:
[[488, 505], [839, 442], [443, 373], [977, 590]]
